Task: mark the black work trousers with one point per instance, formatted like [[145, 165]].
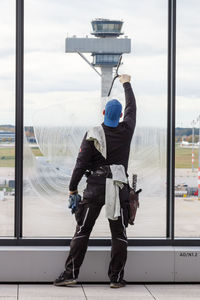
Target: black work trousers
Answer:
[[86, 217]]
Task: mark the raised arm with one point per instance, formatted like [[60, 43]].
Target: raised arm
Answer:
[[130, 108]]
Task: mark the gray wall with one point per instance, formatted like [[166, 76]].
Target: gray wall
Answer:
[[145, 264]]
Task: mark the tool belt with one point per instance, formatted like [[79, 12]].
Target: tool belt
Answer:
[[129, 199], [103, 171]]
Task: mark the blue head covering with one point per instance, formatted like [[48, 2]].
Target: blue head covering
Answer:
[[113, 111]]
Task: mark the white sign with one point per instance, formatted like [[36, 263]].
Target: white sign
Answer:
[[1, 195]]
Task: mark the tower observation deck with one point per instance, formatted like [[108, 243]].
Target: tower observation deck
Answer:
[[106, 48], [106, 28]]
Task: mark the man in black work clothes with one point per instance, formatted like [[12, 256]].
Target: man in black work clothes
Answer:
[[117, 139]]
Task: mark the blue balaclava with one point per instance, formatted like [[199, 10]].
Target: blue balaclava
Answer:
[[113, 111]]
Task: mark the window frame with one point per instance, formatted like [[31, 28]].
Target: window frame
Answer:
[[169, 240]]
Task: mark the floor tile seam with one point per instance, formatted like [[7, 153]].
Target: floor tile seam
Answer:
[[174, 265], [53, 297], [18, 292], [149, 291], [9, 297], [84, 292], [47, 297]]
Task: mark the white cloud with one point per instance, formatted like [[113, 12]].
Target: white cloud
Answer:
[[188, 109], [63, 108], [50, 73]]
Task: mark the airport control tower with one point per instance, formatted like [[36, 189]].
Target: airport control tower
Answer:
[[106, 48]]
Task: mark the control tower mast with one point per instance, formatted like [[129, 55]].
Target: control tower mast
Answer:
[[106, 48]]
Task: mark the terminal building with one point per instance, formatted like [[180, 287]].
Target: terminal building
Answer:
[[7, 136]]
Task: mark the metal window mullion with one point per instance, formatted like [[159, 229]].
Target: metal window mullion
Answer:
[[173, 114], [168, 204], [19, 117], [171, 117]]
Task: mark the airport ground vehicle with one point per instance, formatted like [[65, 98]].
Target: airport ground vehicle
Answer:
[[183, 190]]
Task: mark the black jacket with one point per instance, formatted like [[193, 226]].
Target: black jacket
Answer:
[[118, 141]]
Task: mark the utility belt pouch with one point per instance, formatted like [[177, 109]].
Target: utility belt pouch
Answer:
[[133, 205], [133, 200], [99, 175], [103, 171]]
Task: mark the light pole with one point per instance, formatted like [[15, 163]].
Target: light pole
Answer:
[[193, 124], [198, 119]]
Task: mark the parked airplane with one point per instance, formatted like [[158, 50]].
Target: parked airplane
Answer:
[[184, 143], [187, 144]]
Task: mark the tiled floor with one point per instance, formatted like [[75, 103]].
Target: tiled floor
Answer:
[[100, 292]]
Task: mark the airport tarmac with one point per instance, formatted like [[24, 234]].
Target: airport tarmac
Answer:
[[7, 173], [186, 176], [51, 218]]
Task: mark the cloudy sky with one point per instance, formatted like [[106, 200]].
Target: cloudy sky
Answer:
[[61, 88]]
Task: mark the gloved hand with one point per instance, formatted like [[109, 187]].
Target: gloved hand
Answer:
[[124, 78], [74, 200]]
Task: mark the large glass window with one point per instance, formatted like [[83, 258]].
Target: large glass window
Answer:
[[187, 205], [62, 100], [7, 117]]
